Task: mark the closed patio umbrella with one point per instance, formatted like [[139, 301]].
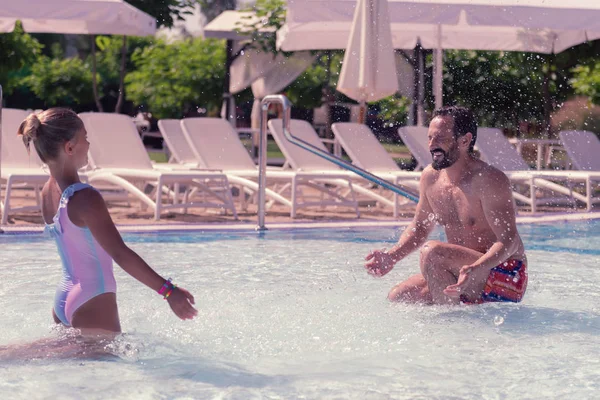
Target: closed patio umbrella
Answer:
[[369, 68]]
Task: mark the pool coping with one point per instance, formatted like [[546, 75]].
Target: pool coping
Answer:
[[252, 226]]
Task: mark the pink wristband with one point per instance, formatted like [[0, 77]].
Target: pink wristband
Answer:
[[165, 286]]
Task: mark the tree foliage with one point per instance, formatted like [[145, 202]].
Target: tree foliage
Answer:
[[212, 8], [18, 50], [61, 82], [586, 80], [503, 88], [166, 12], [269, 16], [108, 56], [173, 79]]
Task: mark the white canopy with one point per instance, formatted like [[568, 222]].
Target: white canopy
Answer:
[[542, 26], [114, 17], [369, 69]]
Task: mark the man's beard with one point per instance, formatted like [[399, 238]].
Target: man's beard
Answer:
[[448, 159]]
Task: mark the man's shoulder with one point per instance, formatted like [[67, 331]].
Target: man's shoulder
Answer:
[[429, 174], [488, 175]]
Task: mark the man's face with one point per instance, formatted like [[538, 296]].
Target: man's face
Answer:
[[442, 143]]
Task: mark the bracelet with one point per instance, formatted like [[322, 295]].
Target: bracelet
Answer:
[[166, 286], [170, 291]]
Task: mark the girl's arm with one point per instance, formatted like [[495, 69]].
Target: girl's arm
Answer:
[[88, 209]]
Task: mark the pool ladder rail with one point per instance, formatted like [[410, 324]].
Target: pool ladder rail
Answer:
[[262, 156]]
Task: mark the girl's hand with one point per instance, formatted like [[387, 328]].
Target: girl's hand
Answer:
[[181, 302]]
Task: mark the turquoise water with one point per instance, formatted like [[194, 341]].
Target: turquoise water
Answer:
[[292, 314]]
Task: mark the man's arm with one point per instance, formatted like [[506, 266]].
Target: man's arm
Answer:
[[499, 211], [381, 262]]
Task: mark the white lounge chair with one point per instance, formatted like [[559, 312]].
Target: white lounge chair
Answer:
[[19, 168], [496, 150], [216, 145], [183, 153], [179, 147], [415, 138], [118, 156], [301, 160], [367, 153], [583, 148]]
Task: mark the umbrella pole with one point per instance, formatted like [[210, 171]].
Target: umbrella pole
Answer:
[[438, 60], [362, 114]]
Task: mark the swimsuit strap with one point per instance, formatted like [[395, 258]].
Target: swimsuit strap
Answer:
[[70, 191], [64, 199]]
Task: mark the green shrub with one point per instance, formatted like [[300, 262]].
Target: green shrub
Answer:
[[61, 82], [174, 78]]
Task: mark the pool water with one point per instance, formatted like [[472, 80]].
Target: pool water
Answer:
[[293, 314]]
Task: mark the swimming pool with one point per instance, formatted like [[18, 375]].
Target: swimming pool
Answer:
[[292, 314]]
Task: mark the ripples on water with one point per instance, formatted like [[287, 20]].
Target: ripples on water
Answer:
[[293, 314]]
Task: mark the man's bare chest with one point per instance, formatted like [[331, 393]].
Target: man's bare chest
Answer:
[[454, 206]]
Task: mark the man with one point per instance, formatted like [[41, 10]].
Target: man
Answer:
[[484, 259]]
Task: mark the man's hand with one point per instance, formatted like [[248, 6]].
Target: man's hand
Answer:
[[379, 263], [464, 283]]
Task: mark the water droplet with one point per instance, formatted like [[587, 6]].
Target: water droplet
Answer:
[[498, 320]]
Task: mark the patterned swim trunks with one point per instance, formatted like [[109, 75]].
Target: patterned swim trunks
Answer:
[[506, 282]]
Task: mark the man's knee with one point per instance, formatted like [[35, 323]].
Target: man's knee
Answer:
[[431, 255]]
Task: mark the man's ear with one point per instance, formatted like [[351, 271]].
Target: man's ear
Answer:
[[466, 138]]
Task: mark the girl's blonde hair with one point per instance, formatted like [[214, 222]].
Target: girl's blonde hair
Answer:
[[49, 130]]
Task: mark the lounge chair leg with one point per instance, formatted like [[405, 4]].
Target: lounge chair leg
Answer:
[[588, 192], [6, 210], [158, 203], [294, 189], [176, 189], [354, 200], [229, 198], [532, 191]]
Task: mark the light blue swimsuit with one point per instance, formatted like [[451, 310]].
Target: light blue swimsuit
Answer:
[[87, 268]]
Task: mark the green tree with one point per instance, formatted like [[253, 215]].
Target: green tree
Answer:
[[212, 8], [166, 12], [18, 50], [504, 88], [586, 80], [61, 82], [173, 79]]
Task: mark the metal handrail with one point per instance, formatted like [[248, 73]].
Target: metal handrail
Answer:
[[262, 151], [308, 147]]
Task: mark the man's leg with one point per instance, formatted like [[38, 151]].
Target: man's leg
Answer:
[[414, 289], [441, 264]]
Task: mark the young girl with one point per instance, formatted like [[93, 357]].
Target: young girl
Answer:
[[86, 237]]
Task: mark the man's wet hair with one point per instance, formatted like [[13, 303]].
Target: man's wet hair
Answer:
[[464, 121]]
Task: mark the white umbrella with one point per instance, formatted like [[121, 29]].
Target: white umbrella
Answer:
[[110, 17], [543, 26], [94, 17], [369, 69], [265, 72]]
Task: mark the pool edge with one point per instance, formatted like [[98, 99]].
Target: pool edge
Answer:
[[246, 227]]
